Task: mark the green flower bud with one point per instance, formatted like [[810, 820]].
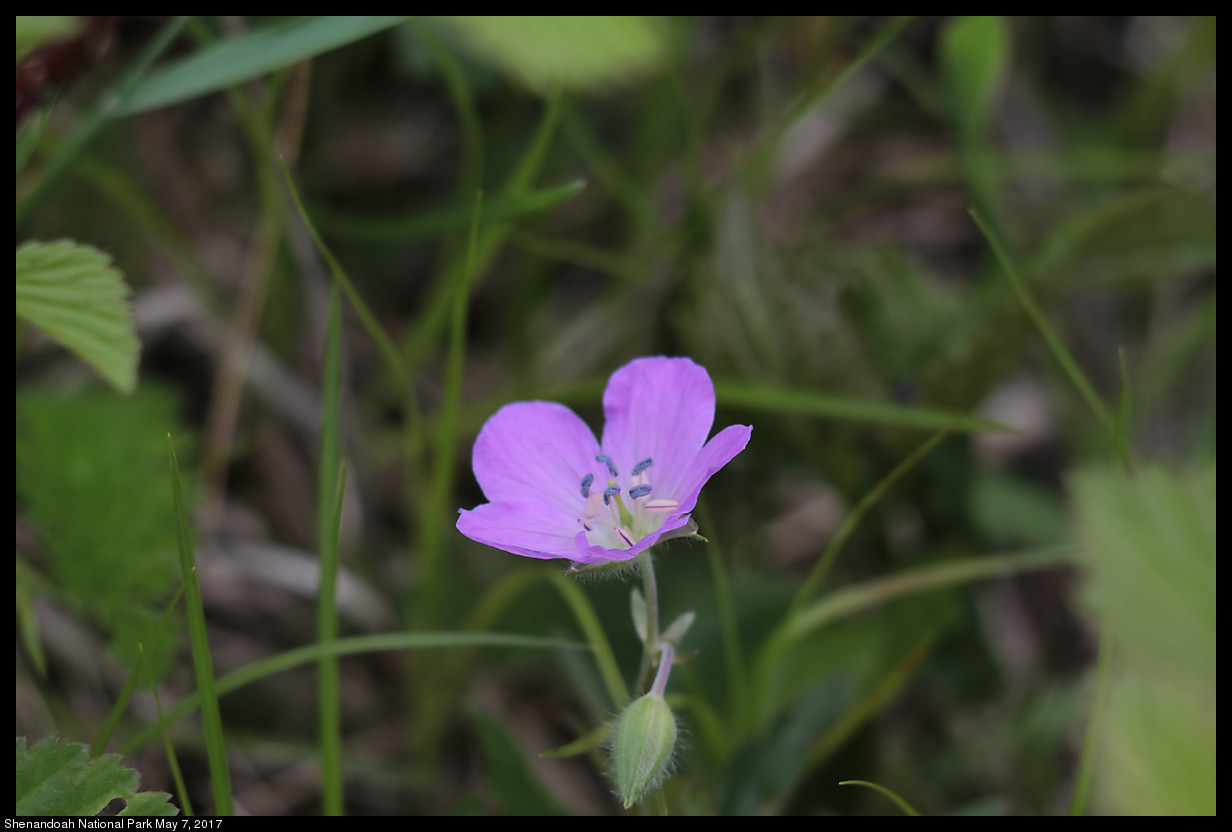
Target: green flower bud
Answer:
[[642, 746]]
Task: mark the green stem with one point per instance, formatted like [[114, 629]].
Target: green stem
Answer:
[[650, 588]]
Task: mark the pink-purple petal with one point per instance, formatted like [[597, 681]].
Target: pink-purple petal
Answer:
[[534, 451], [658, 408], [719, 451], [520, 527]]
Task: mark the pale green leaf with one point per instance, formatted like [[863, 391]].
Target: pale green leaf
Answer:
[[1147, 544], [55, 777], [72, 293], [974, 54], [572, 52]]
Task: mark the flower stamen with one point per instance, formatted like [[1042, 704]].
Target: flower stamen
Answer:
[[611, 466], [624, 523]]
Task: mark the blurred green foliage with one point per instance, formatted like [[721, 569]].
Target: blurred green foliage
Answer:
[[1147, 542], [786, 201], [92, 479]]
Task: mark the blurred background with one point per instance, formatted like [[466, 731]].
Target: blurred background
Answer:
[[787, 201]]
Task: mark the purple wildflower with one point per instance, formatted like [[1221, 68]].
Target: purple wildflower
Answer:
[[555, 492]]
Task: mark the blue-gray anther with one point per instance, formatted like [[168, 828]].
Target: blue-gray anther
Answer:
[[610, 492], [586, 483], [607, 460], [642, 466], [638, 491]]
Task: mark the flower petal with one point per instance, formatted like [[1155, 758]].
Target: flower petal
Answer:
[[519, 527], [658, 408], [719, 451], [536, 452], [599, 554]]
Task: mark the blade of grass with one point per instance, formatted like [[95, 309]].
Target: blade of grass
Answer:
[[1091, 738], [427, 330], [809, 403], [1059, 352], [25, 583], [822, 568], [853, 600], [907, 808], [1121, 437], [173, 761], [848, 602], [815, 96], [860, 713], [389, 352], [252, 54], [588, 620], [432, 591], [313, 653], [387, 228], [729, 624], [118, 707], [331, 482], [211, 718], [471, 167]]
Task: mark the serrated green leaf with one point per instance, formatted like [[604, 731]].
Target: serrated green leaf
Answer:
[[251, 55], [55, 777], [571, 52], [1147, 545], [72, 293], [149, 804]]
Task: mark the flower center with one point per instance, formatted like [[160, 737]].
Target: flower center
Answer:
[[606, 514]]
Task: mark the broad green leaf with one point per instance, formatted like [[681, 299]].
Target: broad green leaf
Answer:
[[72, 293], [251, 55], [581, 53], [91, 478], [1147, 545], [974, 55], [35, 30], [59, 778]]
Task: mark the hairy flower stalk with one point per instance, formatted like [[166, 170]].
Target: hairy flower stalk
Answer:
[[554, 491]]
